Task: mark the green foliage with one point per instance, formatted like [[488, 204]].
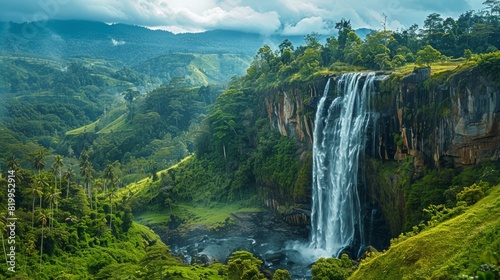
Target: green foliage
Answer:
[[424, 192], [243, 265], [471, 195], [282, 274], [467, 54], [428, 55], [489, 63], [332, 269], [453, 246], [60, 237], [276, 166]]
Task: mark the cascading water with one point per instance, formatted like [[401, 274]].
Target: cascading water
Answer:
[[339, 143]]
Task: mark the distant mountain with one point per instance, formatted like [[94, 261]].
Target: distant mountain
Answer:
[[362, 32], [126, 43]]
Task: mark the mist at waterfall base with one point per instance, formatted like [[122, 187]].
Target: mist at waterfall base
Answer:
[[340, 136]]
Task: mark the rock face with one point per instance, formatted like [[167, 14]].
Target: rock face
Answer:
[[286, 115], [476, 119], [447, 123]]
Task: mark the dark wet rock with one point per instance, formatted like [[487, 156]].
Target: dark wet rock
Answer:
[[274, 257], [202, 259]]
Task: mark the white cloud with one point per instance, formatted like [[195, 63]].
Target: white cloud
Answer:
[[292, 17], [305, 26]]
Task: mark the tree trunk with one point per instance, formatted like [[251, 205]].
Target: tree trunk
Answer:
[[4, 252], [67, 190], [41, 248], [111, 215], [33, 214]]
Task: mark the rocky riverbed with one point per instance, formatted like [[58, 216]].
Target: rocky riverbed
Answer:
[[264, 234]]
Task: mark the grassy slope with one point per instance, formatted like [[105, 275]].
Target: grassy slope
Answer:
[[195, 215], [452, 248]]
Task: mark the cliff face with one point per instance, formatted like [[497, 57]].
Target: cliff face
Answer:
[[476, 118], [448, 120], [447, 123], [284, 116]]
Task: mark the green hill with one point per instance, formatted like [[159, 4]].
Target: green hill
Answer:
[[196, 69], [455, 247]]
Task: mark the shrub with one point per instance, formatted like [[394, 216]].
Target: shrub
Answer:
[[471, 194]]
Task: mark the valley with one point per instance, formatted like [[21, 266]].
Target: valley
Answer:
[[143, 154]]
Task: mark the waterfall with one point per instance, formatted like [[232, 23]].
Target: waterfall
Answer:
[[338, 148]]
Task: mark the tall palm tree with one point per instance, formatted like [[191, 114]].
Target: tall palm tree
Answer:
[[3, 223], [109, 175], [88, 173], [98, 185], [68, 175], [43, 218], [39, 183], [39, 160], [343, 24], [56, 167], [13, 163], [53, 197], [111, 194]]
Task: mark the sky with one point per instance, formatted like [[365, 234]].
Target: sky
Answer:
[[286, 17]]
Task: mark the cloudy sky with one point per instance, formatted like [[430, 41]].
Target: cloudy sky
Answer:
[[288, 17]]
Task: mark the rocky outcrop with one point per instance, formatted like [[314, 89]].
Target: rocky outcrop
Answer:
[[446, 123], [286, 114], [475, 118]]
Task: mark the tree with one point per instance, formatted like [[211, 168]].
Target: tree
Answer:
[[467, 55], [109, 175], [39, 160], [493, 7], [53, 197], [382, 60], [398, 60], [312, 40], [344, 27], [39, 183], [130, 94], [285, 45], [376, 45], [87, 171], [43, 218], [309, 62], [331, 51], [333, 269], [13, 163], [68, 175], [98, 185], [428, 55], [56, 167], [471, 194], [343, 24], [3, 228], [243, 265], [111, 194], [433, 25], [352, 45], [282, 274]]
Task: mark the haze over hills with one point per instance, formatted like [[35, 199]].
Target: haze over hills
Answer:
[[126, 43]]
